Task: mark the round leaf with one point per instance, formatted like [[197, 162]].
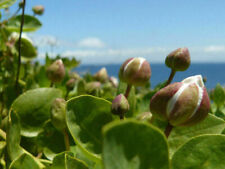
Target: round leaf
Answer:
[[203, 152], [86, 115], [28, 51], [30, 24], [180, 135], [136, 145], [33, 109]]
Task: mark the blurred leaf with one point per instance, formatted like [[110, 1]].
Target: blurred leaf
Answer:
[[219, 95], [131, 144], [203, 152], [6, 4], [179, 135], [86, 115], [25, 161], [70, 63], [28, 51], [66, 160], [30, 24], [131, 98], [13, 136], [33, 108]]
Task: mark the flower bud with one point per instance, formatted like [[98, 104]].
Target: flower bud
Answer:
[[101, 75], [74, 75], [58, 113], [179, 59], [120, 105], [182, 103], [38, 10], [70, 84], [92, 87], [114, 81], [56, 71], [135, 71], [21, 4]]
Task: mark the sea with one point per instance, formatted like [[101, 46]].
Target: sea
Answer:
[[213, 72]]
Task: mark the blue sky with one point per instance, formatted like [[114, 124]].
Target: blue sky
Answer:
[[104, 31]]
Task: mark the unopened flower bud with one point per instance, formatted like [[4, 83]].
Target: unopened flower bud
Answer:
[[38, 9], [120, 105], [58, 113], [21, 4], [70, 84], [179, 59], [74, 75], [182, 103], [101, 75], [114, 81], [92, 87], [135, 71], [56, 71]]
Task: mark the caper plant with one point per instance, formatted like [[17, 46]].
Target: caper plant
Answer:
[[53, 117]]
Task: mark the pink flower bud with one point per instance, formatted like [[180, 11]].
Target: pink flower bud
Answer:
[[39, 9], [179, 59], [135, 71], [56, 71], [182, 103], [101, 75], [70, 84], [114, 81], [92, 87], [120, 105]]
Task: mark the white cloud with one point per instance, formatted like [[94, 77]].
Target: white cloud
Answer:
[[94, 51], [116, 55], [214, 48], [91, 42]]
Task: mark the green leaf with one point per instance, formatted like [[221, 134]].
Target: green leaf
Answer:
[[66, 160], [30, 24], [13, 136], [131, 144], [203, 152], [33, 108], [25, 161], [179, 135], [6, 3], [28, 51], [219, 95], [51, 140], [86, 115], [131, 98], [17, 154]]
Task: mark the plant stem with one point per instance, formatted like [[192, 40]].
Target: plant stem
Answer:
[[66, 140], [67, 93], [172, 73], [121, 116], [52, 84], [19, 59], [128, 90], [168, 129]]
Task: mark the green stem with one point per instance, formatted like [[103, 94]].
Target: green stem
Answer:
[[67, 93], [52, 84], [168, 130], [128, 90], [172, 73], [20, 36], [66, 140]]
